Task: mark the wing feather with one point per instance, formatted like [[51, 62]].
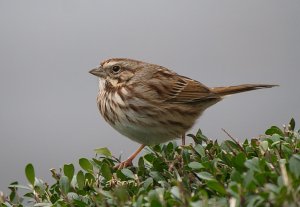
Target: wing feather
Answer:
[[173, 88]]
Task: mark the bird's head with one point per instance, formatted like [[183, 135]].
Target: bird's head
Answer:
[[117, 71]]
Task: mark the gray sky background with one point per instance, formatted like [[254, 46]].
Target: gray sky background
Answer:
[[48, 113]]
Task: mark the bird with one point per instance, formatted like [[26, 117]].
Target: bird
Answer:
[[151, 104]]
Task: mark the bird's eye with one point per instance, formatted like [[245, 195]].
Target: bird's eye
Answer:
[[116, 68]]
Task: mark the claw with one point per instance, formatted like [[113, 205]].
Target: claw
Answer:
[[123, 164], [128, 162]]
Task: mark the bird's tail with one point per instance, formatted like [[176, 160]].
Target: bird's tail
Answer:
[[224, 91]]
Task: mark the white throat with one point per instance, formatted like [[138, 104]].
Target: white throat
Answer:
[[101, 84]]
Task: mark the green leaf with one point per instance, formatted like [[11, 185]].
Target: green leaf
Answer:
[[103, 151], [80, 179], [139, 201], [232, 145], [30, 174], [275, 143], [43, 205], [195, 165], [292, 124], [276, 138], [200, 137], [141, 164], [148, 182], [153, 196], [205, 176], [72, 196], [89, 179], [253, 164], [39, 186], [128, 173], [274, 130], [200, 150], [238, 161], [263, 145], [121, 176], [156, 176], [159, 165], [170, 148], [86, 164], [20, 186], [149, 158], [69, 171], [106, 171], [64, 184], [79, 203], [157, 148], [249, 179], [216, 186], [272, 188], [236, 176], [255, 200], [122, 194], [294, 165], [175, 192], [185, 156]]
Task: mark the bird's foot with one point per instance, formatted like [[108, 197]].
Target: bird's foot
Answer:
[[123, 164], [128, 162]]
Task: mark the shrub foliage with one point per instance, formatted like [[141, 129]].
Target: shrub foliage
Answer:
[[263, 171]]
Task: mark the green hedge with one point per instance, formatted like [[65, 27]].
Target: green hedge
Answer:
[[264, 171]]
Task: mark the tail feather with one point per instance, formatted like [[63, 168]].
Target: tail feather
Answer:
[[223, 91]]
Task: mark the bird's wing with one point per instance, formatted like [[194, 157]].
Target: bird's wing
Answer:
[[173, 88]]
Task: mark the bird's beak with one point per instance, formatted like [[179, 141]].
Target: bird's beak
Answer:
[[97, 72]]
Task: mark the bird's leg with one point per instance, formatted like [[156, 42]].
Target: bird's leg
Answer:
[[183, 139], [129, 159]]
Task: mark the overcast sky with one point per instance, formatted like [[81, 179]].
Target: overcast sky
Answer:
[[48, 112]]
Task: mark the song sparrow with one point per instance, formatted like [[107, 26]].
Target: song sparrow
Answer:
[[151, 104]]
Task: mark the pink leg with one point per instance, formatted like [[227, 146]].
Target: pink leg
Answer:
[[129, 160], [183, 139]]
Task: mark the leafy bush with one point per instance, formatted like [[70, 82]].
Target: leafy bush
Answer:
[[264, 171]]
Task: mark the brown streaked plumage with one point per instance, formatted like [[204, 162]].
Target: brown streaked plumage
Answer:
[[151, 104]]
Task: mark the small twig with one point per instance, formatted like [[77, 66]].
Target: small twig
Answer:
[[230, 148], [116, 159], [234, 140], [36, 196], [209, 155], [280, 148], [196, 176]]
